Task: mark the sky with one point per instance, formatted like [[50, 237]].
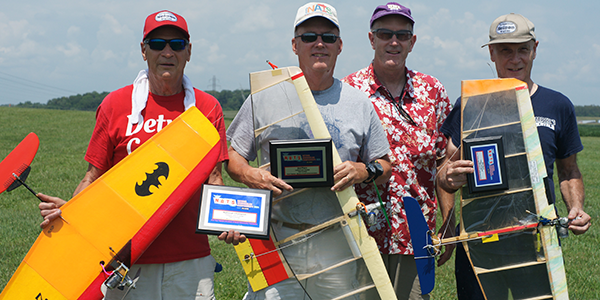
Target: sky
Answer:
[[56, 48]]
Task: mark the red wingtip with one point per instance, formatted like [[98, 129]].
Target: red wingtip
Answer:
[[18, 160]]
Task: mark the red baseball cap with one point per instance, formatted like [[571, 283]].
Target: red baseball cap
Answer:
[[165, 18]]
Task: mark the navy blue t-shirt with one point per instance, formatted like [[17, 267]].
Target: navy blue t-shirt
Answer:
[[556, 124]]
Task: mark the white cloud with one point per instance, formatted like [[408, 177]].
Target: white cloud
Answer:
[[253, 19], [73, 31], [596, 49], [70, 49], [215, 55]]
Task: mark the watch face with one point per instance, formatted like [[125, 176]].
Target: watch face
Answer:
[[370, 169], [378, 168]]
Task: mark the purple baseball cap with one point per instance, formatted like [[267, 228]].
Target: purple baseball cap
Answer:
[[392, 8]]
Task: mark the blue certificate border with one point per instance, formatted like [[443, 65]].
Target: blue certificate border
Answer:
[[242, 209]]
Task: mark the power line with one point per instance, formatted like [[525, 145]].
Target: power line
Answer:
[[21, 85], [16, 89]]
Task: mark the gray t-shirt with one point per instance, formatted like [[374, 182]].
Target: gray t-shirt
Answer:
[[354, 126]]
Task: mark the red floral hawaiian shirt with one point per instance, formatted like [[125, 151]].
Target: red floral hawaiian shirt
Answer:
[[412, 125]]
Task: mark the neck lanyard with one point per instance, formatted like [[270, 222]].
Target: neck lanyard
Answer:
[[399, 107]]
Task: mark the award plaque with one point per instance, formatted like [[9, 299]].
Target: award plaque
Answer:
[[302, 163], [242, 209], [487, 155]]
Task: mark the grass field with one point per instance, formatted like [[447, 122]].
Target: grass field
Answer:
[[59, 166]]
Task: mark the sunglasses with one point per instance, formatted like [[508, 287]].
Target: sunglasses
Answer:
[[386, 34], [328, 38], [159, 44]]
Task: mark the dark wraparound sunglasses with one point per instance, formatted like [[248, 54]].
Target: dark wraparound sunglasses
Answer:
[[310, 37], [159, 44], [386, 34]]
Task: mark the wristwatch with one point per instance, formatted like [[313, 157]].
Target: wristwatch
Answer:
[[374, 169]]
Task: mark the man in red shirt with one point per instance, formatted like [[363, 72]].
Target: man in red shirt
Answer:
[[178, 263]]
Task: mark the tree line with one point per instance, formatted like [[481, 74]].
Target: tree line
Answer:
[[587, 111], [230, 100]]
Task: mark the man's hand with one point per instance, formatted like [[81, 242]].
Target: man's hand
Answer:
[[453, 175], [581, 221], [232, 237], [348, 173], [452, 171], [240, 170], [262, 179], [448, 249], [49, 208]]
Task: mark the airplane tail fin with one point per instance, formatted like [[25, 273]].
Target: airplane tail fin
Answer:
[[419, 233]]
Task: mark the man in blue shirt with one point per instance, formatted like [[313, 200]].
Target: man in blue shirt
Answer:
[[513, 48]]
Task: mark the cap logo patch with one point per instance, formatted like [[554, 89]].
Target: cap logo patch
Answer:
[[165, 16], [506, 27], [319, 8], [393, 7]]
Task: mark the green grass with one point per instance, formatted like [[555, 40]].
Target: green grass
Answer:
[[59, 166], [589, 130], [56, 170], [582, 261]]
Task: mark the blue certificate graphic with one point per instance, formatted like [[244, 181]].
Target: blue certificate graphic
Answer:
[[307, 164], [246, 210], [233, 209], [488, 158], [487, 168], [302, 163]]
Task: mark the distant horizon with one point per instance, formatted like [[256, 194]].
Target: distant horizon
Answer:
[[61, 48], [5, 104], [45, 103]]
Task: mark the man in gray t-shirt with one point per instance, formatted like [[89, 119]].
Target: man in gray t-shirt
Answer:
[[356, 133]]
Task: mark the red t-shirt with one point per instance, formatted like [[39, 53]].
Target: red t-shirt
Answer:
[[114, 138]]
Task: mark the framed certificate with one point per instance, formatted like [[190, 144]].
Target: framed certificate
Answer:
[[487, 155], [242, 209], [302, 163]]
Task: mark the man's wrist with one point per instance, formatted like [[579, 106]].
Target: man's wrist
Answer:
[[374, 170]]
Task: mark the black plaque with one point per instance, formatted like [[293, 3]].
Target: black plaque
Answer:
[[488, 159], [303, 163]]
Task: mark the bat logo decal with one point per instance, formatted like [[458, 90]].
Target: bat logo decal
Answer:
[[152, 180]]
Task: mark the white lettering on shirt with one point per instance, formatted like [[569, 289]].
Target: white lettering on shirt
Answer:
[[130, 143], [149, 126], [138, 127], [545, 122]]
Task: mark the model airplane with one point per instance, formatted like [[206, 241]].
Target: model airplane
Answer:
[[267, 262], [74, 259]]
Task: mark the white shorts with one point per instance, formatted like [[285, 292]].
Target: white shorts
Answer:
[[190, 279]]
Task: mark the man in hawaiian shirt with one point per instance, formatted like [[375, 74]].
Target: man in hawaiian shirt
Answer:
[[412, 107]]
